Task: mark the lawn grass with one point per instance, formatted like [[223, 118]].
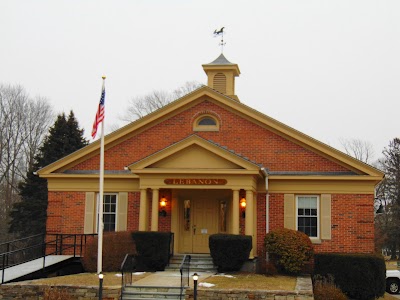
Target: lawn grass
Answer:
[[391, 265], [252, 282], [85, 279]]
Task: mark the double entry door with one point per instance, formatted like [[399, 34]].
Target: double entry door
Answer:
[[201, 217]]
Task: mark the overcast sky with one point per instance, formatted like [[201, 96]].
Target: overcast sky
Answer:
[[330, 69]]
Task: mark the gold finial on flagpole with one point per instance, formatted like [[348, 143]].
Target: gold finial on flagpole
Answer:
[[104, 77]]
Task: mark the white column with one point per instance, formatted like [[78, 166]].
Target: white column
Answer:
[[154, 211], [143, 210], [235, 212]]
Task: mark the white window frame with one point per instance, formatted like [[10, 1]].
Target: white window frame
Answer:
[[318, 214], [97, 210]]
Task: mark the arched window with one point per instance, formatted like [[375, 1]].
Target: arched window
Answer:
[[206, 123]]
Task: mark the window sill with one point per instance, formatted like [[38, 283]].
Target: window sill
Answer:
[[316, 241]]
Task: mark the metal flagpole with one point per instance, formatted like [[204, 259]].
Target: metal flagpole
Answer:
[[101, 192]]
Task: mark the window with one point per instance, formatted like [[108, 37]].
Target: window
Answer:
[[109, 212], [307, 215], [206, 123]]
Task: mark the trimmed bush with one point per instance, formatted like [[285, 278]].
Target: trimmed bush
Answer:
[[115, 246], [152, 250], [229, 251], [359, 276], [289, 250]]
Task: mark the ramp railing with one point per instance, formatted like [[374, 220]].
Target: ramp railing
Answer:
[[26, 249]]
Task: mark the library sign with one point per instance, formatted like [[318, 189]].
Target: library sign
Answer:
[[195, 181]]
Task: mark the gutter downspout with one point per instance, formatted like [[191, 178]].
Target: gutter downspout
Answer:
[[265, 172]]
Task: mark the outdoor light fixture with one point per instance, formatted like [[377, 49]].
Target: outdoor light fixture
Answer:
[[163, 204], [101, 276], [243, 206], [195, 278]]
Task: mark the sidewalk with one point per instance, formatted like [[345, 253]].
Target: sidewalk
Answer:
[[168, 278]]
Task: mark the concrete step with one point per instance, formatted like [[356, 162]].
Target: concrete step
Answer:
[[151, 292], [198, 262]]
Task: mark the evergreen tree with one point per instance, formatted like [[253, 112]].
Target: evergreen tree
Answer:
[[29, 215]]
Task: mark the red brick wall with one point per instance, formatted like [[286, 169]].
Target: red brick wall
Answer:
[[239, 134], [133, 211], [65, 212], [352, 222], [352, 217]]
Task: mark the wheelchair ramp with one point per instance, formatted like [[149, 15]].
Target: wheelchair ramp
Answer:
[[30, 267]]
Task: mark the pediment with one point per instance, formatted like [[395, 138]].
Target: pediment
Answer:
[[194, 153]]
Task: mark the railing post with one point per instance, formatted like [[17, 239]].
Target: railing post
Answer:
[[74, 245], [61, 243], [44, 254], [4, 269], [8, 251]]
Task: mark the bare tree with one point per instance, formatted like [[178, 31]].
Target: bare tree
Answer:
[[362, 150], [142, 105], [23, 123]]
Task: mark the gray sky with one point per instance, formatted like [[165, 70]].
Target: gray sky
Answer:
[[330, 69]]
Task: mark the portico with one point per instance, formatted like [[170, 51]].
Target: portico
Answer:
[[203, 183]]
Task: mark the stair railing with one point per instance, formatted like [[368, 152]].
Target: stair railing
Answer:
[[128, 266], [184, 269]]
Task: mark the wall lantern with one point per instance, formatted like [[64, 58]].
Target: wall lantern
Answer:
[[243, 207], [163, 204]]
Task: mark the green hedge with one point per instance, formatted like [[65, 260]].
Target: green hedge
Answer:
[[229, 251], [152, 250], [359, 276]]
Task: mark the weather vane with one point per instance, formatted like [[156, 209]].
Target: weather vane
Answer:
[[220, 33]]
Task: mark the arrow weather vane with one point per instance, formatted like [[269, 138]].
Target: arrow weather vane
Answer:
[[220, 33]]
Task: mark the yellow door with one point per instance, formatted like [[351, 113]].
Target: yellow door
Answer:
[[200, 220], [205, 223]]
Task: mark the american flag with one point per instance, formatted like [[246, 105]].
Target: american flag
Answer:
[[100, 112]]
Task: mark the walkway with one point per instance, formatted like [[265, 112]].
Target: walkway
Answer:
[[31, 267], [168, 279]]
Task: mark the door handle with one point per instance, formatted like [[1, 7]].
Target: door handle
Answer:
[[194, 229]]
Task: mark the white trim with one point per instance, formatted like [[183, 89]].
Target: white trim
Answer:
[[97, 210], [318, 198]]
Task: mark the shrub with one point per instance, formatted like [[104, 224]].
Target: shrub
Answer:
[[359, 276], [288, 249], [229, 251], [153, 250], [325, 289], [115, 246]]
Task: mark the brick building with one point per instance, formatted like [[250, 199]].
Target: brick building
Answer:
[[207, 163]]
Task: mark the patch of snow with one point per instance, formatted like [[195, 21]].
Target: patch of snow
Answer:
[[224, 275], [118, 275], [138, 273], [206, 284]]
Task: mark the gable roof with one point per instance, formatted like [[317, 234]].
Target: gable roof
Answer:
[[198, 155], [238, 108]]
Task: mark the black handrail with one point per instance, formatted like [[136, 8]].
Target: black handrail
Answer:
[[184, 269], [127, 266], [61, 243], [171, 247]]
